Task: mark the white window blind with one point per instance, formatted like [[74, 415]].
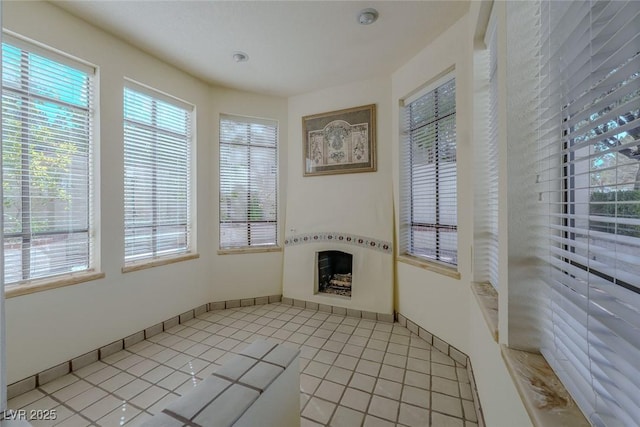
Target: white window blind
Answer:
[[429, 176], [486, 161], [589, 133], [248, 182], [157, 175], [492, 153], [47, 110]]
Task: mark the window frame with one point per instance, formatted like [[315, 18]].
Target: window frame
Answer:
[[156, 257], [407, 253], [568, 205], [32, 284], [492, 147], [249, 248]]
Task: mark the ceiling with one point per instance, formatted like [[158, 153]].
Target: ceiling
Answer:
[[293, 46]]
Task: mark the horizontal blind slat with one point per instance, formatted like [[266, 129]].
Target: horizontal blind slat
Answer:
[[157, 163], [248, 182], [588, 122], [47, 156], [428, 184]]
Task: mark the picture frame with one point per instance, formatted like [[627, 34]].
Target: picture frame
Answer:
[[342, 141]]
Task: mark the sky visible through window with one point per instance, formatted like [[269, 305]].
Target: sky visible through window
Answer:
[[46, 166], [67, 85]]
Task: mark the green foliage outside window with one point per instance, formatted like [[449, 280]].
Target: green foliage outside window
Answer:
[[620, 204]]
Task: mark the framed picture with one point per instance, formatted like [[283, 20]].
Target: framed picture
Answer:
[[341, 141]]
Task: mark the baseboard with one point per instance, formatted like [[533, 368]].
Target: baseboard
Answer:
[[446, 348], [55, 372], [369, 315]]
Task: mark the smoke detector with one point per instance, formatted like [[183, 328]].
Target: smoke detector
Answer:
[[367, 16]]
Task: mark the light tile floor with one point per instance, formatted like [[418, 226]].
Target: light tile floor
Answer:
[[354, 372]]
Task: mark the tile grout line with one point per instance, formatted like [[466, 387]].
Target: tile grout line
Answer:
[[139, 377], [108, 393], [136, 377], [79, 412], [66, 406], [208, 307], [112, 393], [334, 329], [330, 322], [372, 394], [337, 404], [403, 383]]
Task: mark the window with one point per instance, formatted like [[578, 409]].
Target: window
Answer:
[[157, 175], [47, 107], [248, 182], [589, 130], [601, 168], [429, 175], [491, 166], [485, 156]]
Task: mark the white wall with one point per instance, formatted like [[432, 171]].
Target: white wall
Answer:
[[358, 203], [440, 303], [47, 328], [499, 397], [257, 274]]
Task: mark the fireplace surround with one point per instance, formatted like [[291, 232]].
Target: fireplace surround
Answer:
[[371, 270], [334, 273]]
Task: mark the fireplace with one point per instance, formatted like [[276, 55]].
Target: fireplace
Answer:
[[335, 270]]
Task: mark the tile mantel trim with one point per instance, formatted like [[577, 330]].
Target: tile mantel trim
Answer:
[[343, 238], [48, 375]]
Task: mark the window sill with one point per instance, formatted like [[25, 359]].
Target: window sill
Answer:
[[249, 250], [157, 262], [487, 298], [51, 283], [545, 398], [429, 265]]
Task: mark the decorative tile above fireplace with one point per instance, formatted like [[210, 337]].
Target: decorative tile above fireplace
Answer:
[[343, 238], [339, 269], [334, 273]]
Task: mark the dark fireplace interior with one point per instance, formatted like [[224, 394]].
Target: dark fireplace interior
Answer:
[[335, 273]]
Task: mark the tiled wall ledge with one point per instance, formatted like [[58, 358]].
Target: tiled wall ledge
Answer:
[[547, 401], [382, 317], [487, 298], [157, 262], [243, 392], [48, 375], [433, 266], [452, 352], [250, 250], [40, 285]]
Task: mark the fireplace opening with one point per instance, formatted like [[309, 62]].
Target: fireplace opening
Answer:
[[335, 273]]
